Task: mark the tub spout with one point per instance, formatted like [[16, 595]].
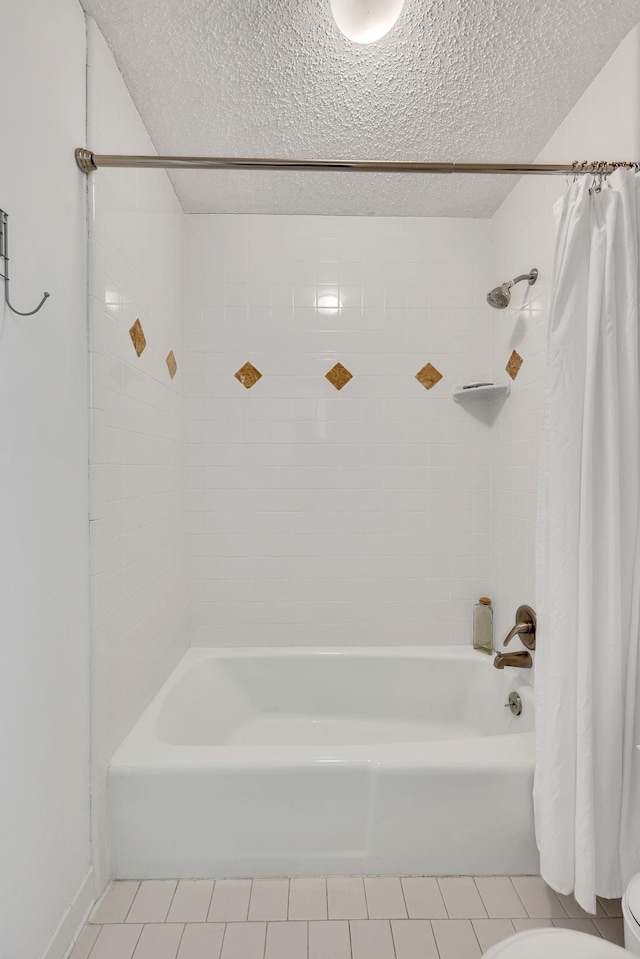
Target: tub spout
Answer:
[[522, 659]]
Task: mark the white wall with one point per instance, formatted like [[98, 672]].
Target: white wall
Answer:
[[604, 124], [44, 679], [319, 517], [138, 478]]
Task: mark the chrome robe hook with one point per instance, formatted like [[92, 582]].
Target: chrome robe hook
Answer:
[[4, 256]]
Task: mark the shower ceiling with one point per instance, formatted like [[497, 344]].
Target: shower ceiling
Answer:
[[454, 79]]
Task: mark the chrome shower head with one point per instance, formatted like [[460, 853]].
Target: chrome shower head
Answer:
[[500, 296]]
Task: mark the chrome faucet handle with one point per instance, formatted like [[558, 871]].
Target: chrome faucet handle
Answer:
[[525, 627]]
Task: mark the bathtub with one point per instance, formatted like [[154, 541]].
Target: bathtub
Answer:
[[373, 761]]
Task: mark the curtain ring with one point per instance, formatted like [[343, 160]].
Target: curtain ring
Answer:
[[599, 168]]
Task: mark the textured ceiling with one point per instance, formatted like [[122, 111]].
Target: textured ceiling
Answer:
[[454, 79]]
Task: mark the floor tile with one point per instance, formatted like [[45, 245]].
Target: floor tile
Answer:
[[413, 939], [580, 925], [380, 917], [152, 901], [85, 941], [612, 907], [329, 940], [461, 897], [575, 911], [455, 939], [116, 902], [269, 899], [423, 898], [539, 900], [116, 941], [490, 931], [611, 929], [384, 898], [308, 899], [523, 925], [201, 940], [230, 900], [286, 940], [346, 898], [244, 940], [500, 898], [191, 901], [159, 941], [371, 939]]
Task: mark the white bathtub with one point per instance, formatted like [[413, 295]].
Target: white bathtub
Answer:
[[262, 762]]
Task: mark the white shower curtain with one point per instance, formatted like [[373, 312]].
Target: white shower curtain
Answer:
[[587, 785]]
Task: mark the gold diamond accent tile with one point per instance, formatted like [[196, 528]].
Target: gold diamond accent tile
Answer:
[[514, 364], [428, 376], [248, 375], [172, 366], [338, 376], [137, 337]]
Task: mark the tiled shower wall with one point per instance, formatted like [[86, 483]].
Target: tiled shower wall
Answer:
[[318, 516], [138, 475]]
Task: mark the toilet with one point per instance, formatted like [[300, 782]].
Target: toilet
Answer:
[[631, 915], [555, 944]]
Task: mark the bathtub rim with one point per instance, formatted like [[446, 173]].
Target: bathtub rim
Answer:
[[142, 751]]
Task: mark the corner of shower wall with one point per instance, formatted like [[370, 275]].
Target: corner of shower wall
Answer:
[[138, 450], [603, 124]]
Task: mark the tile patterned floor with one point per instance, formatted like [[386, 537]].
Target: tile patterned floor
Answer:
[[341, 918]]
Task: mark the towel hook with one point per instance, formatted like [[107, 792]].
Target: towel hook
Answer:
[[4, 255]]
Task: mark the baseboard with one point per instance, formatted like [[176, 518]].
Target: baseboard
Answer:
[[74, 918]]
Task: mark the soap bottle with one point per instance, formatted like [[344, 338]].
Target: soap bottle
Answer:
[[483, 625]]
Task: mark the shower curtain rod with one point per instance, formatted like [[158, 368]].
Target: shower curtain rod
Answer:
[[90, 162]]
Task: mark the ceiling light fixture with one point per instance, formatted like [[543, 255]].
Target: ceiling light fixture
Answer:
[[365, 21]]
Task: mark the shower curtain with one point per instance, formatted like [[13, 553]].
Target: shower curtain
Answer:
[[587, 787]]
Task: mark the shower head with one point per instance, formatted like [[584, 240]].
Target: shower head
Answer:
[[500, 296]]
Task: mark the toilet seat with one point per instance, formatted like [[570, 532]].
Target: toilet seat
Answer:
[[632, 898], [555, 944]]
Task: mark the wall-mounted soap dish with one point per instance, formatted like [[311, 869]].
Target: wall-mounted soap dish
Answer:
[[480, 391]]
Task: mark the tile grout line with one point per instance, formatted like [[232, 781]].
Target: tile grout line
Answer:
[[446, 908], [515, 889], [132, 901], [484, 905], [92, 944], [172, 898], [138, 939], [566, 914], [578, 919], [213, 889], [184, 929], [266, 925], [473, 929], [224, 935], [406, 908], [393, 938], [246, 918]]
